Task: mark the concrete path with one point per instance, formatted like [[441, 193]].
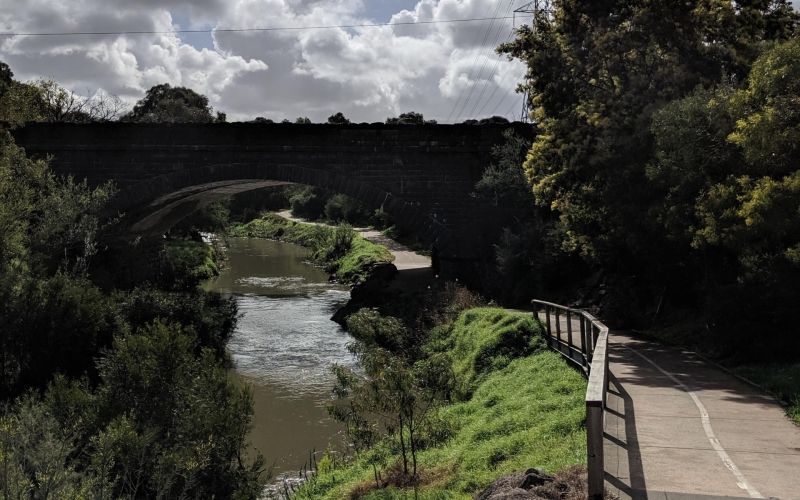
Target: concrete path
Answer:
[[414, 270], [678, 427]]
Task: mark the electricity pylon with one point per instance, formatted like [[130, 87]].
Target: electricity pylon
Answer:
[[538, 9]]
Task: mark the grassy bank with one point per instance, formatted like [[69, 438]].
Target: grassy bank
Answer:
[[340, 250], [193, 258], [517, 405]]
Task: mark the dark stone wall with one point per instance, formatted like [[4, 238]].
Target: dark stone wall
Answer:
[[422, 175]]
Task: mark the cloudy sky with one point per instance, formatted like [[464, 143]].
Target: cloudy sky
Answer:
[[444, 70]]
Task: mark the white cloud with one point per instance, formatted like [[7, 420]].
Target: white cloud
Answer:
[[368, 73]]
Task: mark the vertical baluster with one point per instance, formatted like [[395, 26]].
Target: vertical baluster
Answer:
[[547, 320], [587, 359], [558, 324], [569, 330]]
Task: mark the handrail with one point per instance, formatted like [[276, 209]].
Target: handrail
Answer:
[[590, 353]]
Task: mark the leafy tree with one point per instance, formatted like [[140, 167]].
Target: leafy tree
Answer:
[[506, 178], [597, 73], [727, 162], [394, 395], [303, 120], [261, 119], [410, 118], [338, 119], [164, 103]]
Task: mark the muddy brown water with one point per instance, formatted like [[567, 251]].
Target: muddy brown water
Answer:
[[284, 346]]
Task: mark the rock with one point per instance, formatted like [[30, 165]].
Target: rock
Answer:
[[515, 486], [534, 478], [379, 276], [369, 292]]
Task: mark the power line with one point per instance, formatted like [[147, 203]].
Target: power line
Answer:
[[498, 87], [486, 83], [516, 104], [475, 62], [494, 44], [510, 91], [244, 30]]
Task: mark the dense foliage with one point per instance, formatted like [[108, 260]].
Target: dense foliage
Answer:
[[104, 393], [665, 156]]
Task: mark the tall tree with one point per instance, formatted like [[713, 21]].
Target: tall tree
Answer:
[[164, 103], [596, 74]]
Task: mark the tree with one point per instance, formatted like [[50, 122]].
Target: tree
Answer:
[[19, 102], [727, 163], [338, 119], [410, 118], [506, 178], [164, 103], [393, 395], [63, 105], [596, 74], [303, 120]]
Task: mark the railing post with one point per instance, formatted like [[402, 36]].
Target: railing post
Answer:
[[594, 450], [569, 328]]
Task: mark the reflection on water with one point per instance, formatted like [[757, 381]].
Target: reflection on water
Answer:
[[284, 345]]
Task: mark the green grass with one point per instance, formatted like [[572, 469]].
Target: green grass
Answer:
[[484, 340], [196, 258], [341, 251], [525, 411], [783, 380]]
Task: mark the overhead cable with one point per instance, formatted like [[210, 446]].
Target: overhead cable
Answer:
[[245, 30], [477, 79], [475, 62]]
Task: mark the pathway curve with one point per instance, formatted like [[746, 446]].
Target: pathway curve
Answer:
[[677, 426]]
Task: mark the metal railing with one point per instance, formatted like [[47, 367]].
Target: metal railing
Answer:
[[586, 345]]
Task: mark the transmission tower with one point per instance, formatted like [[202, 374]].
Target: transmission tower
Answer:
[[538, 9]]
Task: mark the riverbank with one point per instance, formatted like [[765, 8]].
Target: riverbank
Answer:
[[513, 405], [343, 253]]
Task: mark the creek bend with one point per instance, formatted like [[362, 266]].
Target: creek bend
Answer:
[[284, 346]]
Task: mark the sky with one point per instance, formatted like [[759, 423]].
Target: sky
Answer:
[[447, 71]]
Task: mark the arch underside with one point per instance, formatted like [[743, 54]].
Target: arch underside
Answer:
[[152, 207]]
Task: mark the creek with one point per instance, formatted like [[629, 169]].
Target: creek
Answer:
[[284, 346]]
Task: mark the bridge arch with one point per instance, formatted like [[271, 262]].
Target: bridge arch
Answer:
[[154, 205]]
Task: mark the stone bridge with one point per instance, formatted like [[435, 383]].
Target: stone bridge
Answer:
[[422, 175]]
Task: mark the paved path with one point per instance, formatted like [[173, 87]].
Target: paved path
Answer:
[[414, 270], [677, 426]]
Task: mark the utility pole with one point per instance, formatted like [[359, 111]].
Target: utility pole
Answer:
[[539, 9]]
